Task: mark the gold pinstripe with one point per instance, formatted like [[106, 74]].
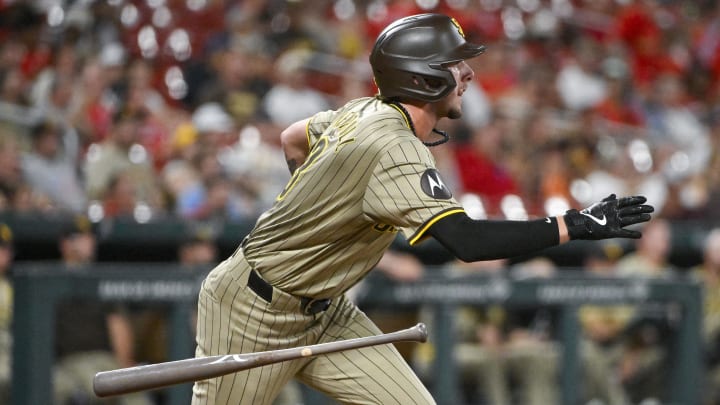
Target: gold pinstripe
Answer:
[[421, 232], [307, 132]]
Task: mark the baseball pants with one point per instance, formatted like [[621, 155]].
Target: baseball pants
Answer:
[[234, 319]]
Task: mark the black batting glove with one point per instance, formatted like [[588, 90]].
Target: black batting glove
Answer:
[[608, 218]]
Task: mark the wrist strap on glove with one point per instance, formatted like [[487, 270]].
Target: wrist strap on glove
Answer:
[[578, 225]]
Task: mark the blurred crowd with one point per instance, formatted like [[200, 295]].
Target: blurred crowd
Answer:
[[160, 109], [150, 109]]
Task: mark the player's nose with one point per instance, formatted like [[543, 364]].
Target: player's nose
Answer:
[[466, 72]]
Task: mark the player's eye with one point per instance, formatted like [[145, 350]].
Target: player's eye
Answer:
[[454, 67]]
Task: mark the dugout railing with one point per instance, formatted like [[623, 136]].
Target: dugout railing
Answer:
[[40, 286]]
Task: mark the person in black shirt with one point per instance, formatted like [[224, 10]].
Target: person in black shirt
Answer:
[[89, 336]]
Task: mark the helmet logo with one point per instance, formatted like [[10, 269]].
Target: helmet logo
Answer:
[[457, 25]]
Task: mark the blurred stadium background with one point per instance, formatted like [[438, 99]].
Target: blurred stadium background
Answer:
[[144, 134]]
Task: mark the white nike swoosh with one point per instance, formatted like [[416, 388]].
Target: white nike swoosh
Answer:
[[599, 221], [548, 220]]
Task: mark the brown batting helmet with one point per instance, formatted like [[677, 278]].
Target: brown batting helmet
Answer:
[[410, 57]]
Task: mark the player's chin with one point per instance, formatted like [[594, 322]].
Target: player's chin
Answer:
[[454, 113]]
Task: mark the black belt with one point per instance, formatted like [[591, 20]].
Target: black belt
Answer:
[[308, 306]]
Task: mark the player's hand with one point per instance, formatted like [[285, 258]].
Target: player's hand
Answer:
[[608, 218]]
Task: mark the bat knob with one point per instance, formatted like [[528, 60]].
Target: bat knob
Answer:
[[422, 332]]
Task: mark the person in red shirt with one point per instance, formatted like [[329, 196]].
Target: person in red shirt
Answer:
[[479, 168], [617, 105], [638, 30]]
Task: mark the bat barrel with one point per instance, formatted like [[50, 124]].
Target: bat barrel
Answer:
[[152, 376]]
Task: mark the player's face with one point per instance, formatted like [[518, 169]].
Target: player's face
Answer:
[[463, 74]]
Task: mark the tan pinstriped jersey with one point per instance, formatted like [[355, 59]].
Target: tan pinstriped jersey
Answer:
[[366, 177]]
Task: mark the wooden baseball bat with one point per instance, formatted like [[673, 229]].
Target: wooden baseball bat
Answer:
[[151, 376]]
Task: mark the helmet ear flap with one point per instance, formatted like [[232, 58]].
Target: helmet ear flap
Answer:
[[414, 86]]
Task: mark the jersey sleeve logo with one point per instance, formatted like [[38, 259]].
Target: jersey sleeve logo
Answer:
[[431, 184]]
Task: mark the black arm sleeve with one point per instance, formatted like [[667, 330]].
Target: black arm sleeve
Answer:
[[473, 240]]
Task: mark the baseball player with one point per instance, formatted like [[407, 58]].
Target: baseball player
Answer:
[[361, 174]]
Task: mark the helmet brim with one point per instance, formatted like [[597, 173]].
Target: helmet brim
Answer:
[[465, 51]]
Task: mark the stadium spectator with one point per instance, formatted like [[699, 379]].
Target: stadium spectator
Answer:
[[652, 251], [708, 273], [121, 152], [11, 52], [230, 80], [120, 198], [212, 196], [62, 67], [644, 346], [709, 209], [48, 170], [218, 201], [178, 178], [496, 74], [603, 327], [676, 129], [88, 337], [56, 109], [197, 250], [555, 171], [139, 97], [534, 91], [215, 127], [478, 350], [529, 346], [112, 58], [15, 116], [506, 355], [579, 82], [620, 104], [256, 166], [516, 80], [481, 169], [637, 26], [92, 108], [291, 98], [13, 87], [6, 311], [396, 267], [11, 181], [706, 46]]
